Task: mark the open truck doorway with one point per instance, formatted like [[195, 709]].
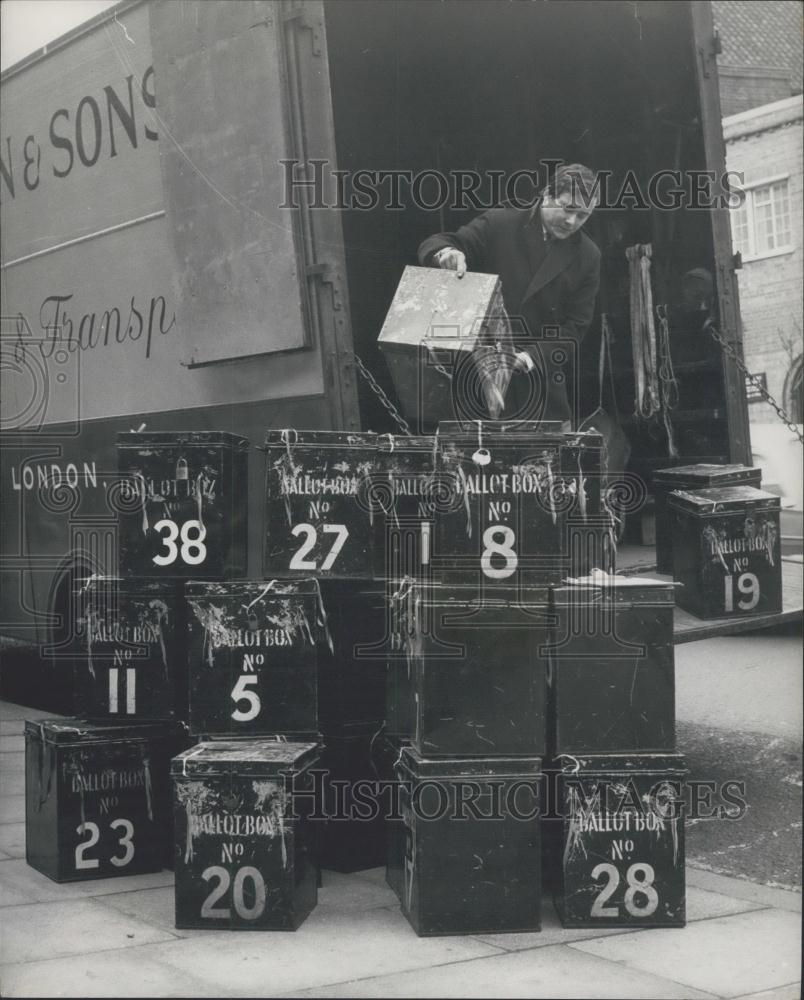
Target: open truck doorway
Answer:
[[493, 91]]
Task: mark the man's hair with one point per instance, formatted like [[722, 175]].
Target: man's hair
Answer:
[[575, 179]]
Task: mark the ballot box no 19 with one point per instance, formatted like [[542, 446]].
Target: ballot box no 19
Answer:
[[691, 477], [252, 649], [727, 551], [97, 797], [182, 503], [622, 851], [133, 662], [244, 850]]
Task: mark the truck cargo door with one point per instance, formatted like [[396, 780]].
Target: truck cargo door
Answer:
[[242, 91]]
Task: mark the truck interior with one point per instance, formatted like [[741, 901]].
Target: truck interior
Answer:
[[489, 86]]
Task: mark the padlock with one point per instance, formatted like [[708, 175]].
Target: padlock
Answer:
[[181, 470]]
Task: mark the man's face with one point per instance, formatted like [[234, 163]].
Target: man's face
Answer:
[[564, 215]]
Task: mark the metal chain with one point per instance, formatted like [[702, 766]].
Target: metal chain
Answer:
[[784, 417], [379, 392]]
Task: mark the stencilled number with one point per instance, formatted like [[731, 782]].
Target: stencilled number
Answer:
[[191, 535], [639, 881], [242, 909], [502, 549], [125, 840], [748, 584], [131, 691], [300, 560], [242, 692]]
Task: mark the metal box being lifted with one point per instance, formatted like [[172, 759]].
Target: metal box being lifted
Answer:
[[691, 477], [448, 346], [244, 849], [183, 504], [727, 551], [97, 797]]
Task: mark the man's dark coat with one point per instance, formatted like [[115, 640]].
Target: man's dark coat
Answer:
[[545, 284]]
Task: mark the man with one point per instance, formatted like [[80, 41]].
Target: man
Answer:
[[550, 272]]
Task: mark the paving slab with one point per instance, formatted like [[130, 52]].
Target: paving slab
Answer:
[[12, 808], [791, 992], [10, 762], [16, 876], [12, 839], [119, 973], [12, 783], [728, 956], [738, 888], [50, 930], [9, 710], [12, 744], [329, 947], [543, 972]]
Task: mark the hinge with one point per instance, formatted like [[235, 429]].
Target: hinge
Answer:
[[301, 15]]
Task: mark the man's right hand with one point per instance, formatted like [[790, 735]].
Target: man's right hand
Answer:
[[450, 259]]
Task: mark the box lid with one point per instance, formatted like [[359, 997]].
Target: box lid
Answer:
[[162, 439], [146, 586], [722, 499], [665, 764], [599, 587], [251, 589], [290, 439], [519, 430], [81, 731], [435, 308], [396, 444], [469, 767], [707, 475], [244, 757], [464, 596]]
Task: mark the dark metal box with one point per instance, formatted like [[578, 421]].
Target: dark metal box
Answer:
[[183, 504], [691, 477], [321, 515], [253, 656], [479, 674], [472, 846], [513, 498], [244, 850], [354, 836], [727, 551], [447, 345], [623, 841], [97, 797], [612, 667], [134, 650], [406, 467]]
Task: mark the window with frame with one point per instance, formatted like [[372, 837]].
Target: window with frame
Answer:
[[762, 225]]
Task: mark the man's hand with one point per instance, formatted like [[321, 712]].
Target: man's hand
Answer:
[[450, 259]]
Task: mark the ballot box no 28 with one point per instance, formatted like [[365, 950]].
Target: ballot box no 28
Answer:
[[244, 856]]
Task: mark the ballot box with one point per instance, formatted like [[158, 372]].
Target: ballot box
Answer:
[[511, 495], [133, 662], [406, 476], [252, 653], [354, 837], [726, 551], [691, 477], [182, 502], [323, 516], [448, 346], [97, 797], [352, 675], [244, 847], [622, 851], [472, 850], [480, 674], [612, 666]]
